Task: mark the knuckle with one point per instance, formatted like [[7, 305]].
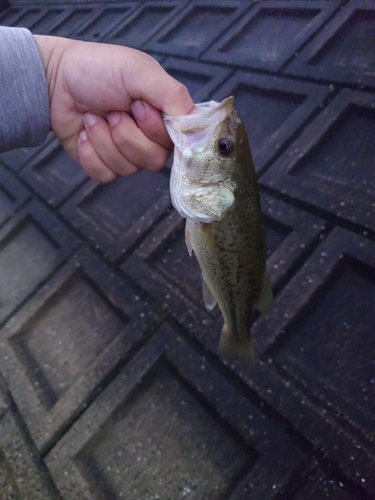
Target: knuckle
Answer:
[[124, 167], [99, 173], [180, 91], [157, 161], [107, 176], [120, 132], [129, 170]]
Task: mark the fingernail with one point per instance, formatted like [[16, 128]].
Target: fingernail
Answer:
[[113, 118], [89, 119], [83, 136], [138, 110]]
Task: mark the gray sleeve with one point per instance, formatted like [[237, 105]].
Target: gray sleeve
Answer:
[[24, 102]]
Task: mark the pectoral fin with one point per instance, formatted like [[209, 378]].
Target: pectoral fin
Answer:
[[208, 296], [265, 300], [188, 242]]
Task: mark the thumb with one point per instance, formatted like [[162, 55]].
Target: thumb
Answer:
[[148, 81]]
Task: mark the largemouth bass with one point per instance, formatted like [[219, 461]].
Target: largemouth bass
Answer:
[[214, 186]]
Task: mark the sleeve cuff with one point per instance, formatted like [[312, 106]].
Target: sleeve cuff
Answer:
[[24, 101]]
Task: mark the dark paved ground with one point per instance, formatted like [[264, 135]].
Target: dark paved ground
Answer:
[[110, 382]]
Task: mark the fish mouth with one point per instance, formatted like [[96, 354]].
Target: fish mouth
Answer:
[[210, 107], [204, 115], [192, 132]]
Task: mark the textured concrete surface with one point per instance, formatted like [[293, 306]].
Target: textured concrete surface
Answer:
[[110, 382]]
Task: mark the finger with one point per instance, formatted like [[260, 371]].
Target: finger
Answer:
[[91, 162], [101, 140], [134, 144], [162, 91], [149, 120]]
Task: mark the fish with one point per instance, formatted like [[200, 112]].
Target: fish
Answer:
[[213, 185]]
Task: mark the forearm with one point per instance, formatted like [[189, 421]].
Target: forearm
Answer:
[[24, 103]]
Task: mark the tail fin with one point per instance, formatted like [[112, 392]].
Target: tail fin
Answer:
[[233, 348]]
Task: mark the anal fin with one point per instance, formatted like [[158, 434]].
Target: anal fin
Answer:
[[208, 296], [265, 300]]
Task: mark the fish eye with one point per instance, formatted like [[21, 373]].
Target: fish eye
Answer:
[[225, 146]]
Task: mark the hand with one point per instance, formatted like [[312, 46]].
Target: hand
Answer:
[[105, 104]]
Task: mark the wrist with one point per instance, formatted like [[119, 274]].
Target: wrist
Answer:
[[51, 49]]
